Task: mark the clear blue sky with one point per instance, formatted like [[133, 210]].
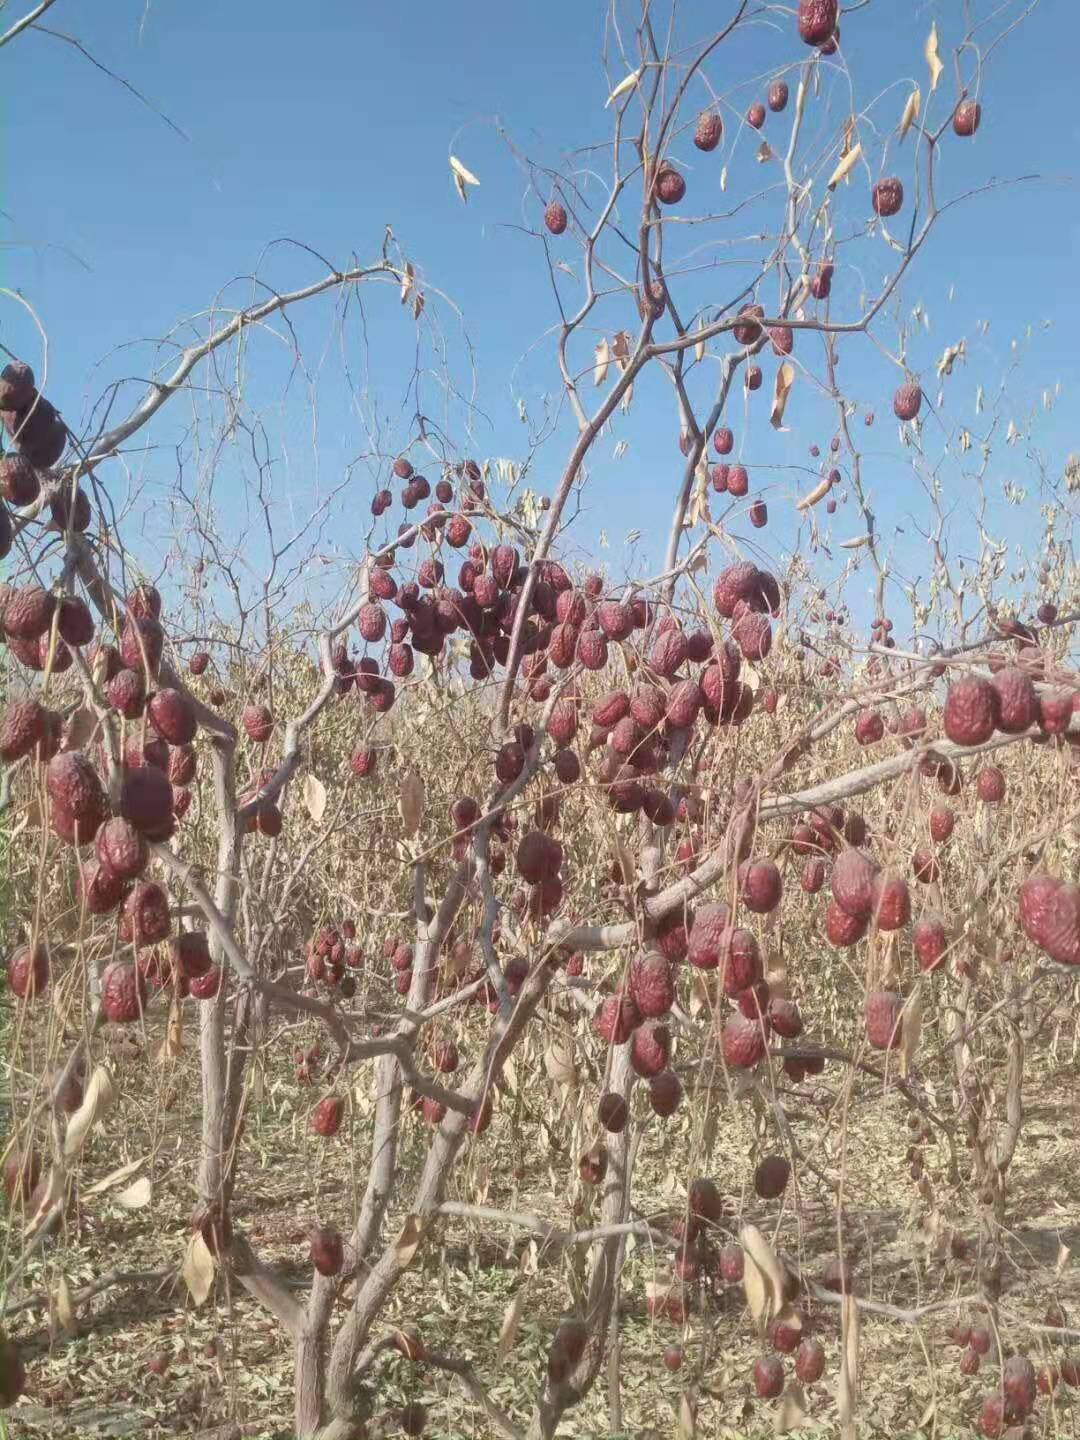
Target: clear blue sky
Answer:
[[328, 122]]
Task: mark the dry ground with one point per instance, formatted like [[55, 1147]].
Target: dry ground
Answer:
[[97, 1382]]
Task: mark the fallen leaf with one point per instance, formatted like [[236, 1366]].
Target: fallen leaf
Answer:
[[785, 379], [137, 1196], [63, 1309], [933, 60], [197, 1271], [911, 111], [559, 1062], [315, 797], [100, 1096], [125, 1172]]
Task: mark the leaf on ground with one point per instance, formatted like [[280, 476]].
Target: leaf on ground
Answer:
[[137, 1195], [115, 1177]]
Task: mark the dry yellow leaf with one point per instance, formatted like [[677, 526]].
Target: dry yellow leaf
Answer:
[[511, 1324], [912, 105], [197, 1271], [791, 1412], [63, 1308], [626, 83], [820, 490], [411, 802], [601, 362], [465, 176], [125, 1172], [933, 60], [910, 1029], [785, 379], [173, 1043], [137, 1195], [559, 1062], [847, 1384], [846, 165], [100, 1096], [408, 1242], [315, 797]]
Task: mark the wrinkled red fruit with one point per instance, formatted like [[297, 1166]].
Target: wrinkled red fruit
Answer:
[[768, 1377], [327, 1250], [883, 1010]]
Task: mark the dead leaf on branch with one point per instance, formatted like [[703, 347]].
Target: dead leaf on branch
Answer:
[[411, 802], [462, 177], [408, 1242], [626, 83], [846, 165], [173, 1042], [847, 1385], [601, 362], [511, 1324], [911, 1030], [785, 379], [933, 59], [197, 1271], [791, 1412], [99, 1098], [315, 797], [911, 111], [820, 490]]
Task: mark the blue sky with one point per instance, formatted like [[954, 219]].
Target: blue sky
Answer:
[[327, 123]]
